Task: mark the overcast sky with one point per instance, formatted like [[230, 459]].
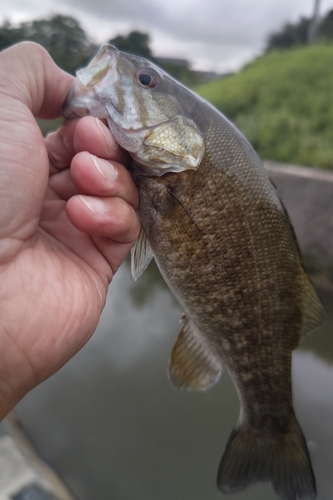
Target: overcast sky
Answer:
[[219, 35]]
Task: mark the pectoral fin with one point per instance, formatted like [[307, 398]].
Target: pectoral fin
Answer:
[[193, 364], [313, 311], [141, 255]]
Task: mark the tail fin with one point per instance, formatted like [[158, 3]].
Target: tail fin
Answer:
[[283, 460]]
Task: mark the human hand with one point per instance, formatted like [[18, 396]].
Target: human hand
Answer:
[[63, 232]]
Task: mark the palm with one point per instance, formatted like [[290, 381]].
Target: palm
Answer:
[[57, 256], [59, 308]]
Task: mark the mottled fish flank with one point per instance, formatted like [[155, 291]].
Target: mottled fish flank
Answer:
[[214, 223]]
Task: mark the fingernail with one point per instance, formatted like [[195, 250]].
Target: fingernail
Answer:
[[105, 169], [95, 205], [110, 141]]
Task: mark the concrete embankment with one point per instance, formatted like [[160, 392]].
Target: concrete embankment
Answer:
[[23, 475]]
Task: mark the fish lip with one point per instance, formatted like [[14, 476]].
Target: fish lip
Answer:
[[74, 111], [76, 105], [135, 130]]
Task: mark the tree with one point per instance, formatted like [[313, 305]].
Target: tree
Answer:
[[9, 34], [290, 35], [306, 30], [62, 36], [134, 43]]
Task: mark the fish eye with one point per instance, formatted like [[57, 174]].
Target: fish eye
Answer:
[[147, 78]]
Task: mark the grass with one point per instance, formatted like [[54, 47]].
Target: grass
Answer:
[[283, 103]]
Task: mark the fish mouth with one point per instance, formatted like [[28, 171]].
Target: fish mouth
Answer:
[[81, 100]]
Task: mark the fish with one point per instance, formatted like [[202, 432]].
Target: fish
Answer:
[[214, 223]]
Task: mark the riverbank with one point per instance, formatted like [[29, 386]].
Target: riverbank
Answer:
[[23, 474]]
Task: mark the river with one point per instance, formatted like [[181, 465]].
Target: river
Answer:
[[114, 428]]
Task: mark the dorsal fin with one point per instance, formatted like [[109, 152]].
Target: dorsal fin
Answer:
[[193, 364], [141, 255]]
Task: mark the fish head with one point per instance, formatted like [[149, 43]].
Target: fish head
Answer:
[[139, 101]]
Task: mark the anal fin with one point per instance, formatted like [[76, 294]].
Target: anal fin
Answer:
[[193, 364]]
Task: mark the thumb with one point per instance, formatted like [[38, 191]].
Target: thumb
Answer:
[[30, 85], [29, 74]]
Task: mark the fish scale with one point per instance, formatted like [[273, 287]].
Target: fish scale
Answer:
[[214, 223]]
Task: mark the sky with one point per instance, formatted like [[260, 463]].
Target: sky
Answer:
[[214, 35]]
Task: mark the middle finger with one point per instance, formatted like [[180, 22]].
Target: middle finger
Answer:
[[98, 177]]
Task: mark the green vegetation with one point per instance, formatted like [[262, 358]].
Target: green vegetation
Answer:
[[48, 126], [283, 104]]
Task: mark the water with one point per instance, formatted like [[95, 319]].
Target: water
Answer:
[[115, 429]]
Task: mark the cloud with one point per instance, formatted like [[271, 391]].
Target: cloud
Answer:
[[214, 34], [214, 21], [220, 32]]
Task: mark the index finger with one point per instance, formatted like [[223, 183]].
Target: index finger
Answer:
[[84, 134]]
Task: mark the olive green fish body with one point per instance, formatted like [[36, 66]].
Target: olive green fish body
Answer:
[[223, 244], [221, 237]]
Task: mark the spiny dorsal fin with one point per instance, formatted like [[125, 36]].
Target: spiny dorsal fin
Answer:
[[193, 365], [141, 255], [313, 311]]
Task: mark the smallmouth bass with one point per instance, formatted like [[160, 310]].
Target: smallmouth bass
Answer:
[[214, 223]]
